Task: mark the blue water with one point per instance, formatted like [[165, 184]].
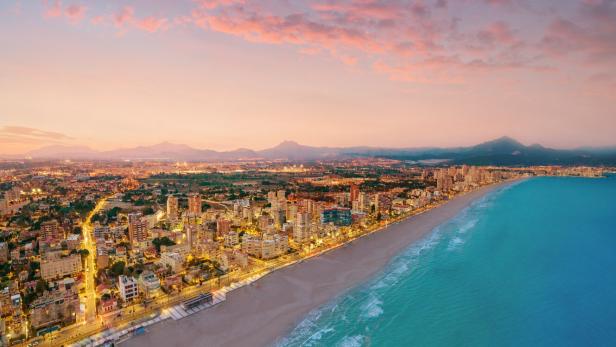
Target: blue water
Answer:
[[533, 264]]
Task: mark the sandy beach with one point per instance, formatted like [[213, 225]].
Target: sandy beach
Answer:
[[259, 314]]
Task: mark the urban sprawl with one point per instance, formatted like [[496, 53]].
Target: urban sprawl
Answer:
[[88, 248]]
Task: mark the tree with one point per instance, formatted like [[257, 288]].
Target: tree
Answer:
[[41, 287], [117, 268], [34, 265], [162, 241], [97, 218], [113, 213]]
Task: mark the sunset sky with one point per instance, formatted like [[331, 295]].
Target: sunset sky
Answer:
[[224, 74]]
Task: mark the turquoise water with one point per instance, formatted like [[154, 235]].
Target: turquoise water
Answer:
[[533, 264]]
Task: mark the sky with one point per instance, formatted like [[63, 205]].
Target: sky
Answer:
[[224, 74]]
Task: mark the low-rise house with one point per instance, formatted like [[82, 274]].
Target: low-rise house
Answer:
[[173, 260], [127, 286], [149, 284]]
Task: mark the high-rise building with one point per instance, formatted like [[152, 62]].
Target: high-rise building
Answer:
[[263, 222], [191, 234], [4, 252], [133, 217], [232, 238], [223, 226], [194, 203], [271, 196], [301, 227], [444, 183], [280, 217], [291, 212], [172, 207], [354, 192], [382, 202], [281, 194], [338, 216], [51, 230], [309, 206], [363, 201], [137, 228], [270, 246]]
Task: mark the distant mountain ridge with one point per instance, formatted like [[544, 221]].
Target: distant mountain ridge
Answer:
[[502, 151]]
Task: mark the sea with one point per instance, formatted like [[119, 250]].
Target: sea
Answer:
[[530, 264]]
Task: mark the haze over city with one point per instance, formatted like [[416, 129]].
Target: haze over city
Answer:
[[237, 73]]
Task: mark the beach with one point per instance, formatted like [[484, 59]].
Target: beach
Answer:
[[260, 314]]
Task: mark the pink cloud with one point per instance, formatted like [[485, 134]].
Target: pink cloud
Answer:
[[496, 33], [361, 9], [97, 20], [409, 35], [75, 13], [211, 4], [151, 24], [124, 16], [53, 9], [294, 29], [589, 35]]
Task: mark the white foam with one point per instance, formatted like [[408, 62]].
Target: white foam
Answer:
[[468, 225], [455, 243], [304, 334], [372, 308], [311, 332], [351, 341], [400, 265], [316, 336]]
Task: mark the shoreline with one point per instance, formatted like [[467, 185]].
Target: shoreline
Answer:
[[263, 313]]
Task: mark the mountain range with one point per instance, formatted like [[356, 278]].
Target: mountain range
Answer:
[[502, 151]]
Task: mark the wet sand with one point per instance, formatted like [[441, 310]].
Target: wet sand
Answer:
[[259, 314]]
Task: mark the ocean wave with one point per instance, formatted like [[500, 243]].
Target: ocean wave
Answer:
[[351, 341], [372, 307], [468, 225], [304, 333], [314, 338], [455, 243], [401, 265], [325, 322]]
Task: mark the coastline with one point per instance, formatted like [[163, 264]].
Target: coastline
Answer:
[[262, 313]]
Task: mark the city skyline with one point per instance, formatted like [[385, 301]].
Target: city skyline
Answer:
[[229, 74], [307, 172], [57, 143]]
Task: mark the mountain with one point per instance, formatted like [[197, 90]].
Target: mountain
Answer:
[[502, 151], [62, 152], [161, 151], [294, 151], [503, 145], [507, 151]]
